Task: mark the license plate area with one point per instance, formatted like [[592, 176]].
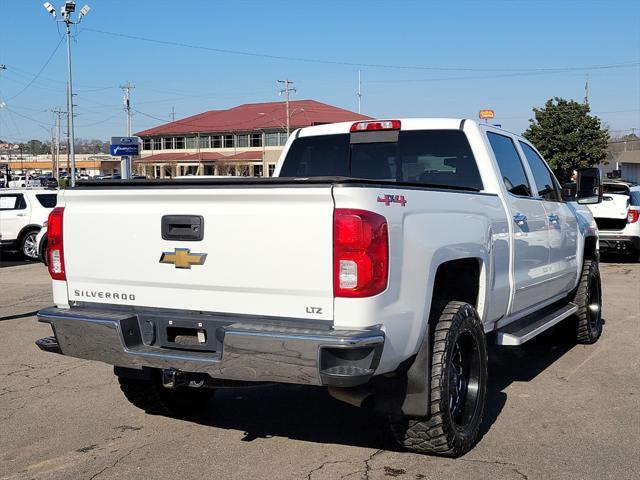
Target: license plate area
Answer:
[[182, 334]]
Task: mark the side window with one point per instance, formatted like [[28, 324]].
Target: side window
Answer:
[[545, 181], [47, 200], [510, 165], [12, 202]]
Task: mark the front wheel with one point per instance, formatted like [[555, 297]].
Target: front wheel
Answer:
[[458, 387], [588, 298], [29, 245]]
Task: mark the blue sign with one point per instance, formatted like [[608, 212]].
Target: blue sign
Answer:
[[124, 146]]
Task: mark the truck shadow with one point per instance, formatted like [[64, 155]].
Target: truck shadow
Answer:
[[298, 412], [508, 365], [311, 414]]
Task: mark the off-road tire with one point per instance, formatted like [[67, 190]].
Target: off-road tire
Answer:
[[150, 396], [588, 328], [438, 433], [28, 245]]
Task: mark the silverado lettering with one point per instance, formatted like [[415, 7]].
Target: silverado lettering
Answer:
[[100, 294]]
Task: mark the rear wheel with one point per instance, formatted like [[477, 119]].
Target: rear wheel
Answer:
[[588, 298], [29, 245], [458, 387], [150, 396]]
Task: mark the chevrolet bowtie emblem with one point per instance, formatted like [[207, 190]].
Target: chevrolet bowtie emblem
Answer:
[[183, 258]]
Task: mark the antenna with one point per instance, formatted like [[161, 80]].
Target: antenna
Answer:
[[359, 91]]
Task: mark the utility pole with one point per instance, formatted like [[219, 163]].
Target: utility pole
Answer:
[[586, 91], [65, 11], [58, 113], [125, 164], [286, 91], [359, 92], [173, 114]]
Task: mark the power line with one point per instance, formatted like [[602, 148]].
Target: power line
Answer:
[[355, 64], [532, 73], [39, 71]]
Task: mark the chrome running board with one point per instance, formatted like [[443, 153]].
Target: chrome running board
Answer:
[[525, 329]]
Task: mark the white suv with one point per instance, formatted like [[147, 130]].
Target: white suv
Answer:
[[23, 212], [618, 218]]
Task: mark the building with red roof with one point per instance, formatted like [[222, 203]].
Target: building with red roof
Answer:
[[245, 140]]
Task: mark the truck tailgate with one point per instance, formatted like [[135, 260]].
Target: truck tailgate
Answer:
[[268, 250]]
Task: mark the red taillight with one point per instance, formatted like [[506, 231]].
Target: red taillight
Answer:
[[633, 216], [55, 250], [376, 125], [360, 253]]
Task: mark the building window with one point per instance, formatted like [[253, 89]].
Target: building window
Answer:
[[283, 138], [272, 169], [272, 139], [192, 142], [216, 141], [257, 170], [228, 141], [178, 143], [167, 143], [204, 142], [242, 140], [255, 140], [157, 144], [146, 144]]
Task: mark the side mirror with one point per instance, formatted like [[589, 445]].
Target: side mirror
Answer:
[[589, 186]]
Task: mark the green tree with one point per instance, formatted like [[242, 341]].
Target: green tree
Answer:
[[567, 136]]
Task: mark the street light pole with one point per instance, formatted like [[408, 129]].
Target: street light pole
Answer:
[[66, 10], [72, 137]]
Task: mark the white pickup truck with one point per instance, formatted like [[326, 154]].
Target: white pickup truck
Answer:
[[378, 263]]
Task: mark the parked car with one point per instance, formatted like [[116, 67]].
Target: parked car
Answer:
[[48, 181], [388, 250], [618, 218], [22, 215], [20, 181]]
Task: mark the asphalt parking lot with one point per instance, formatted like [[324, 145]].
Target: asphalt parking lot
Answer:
[[555, 411]]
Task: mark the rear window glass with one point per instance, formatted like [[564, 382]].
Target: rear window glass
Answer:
[[47, 200], [431, 157], [613, 188], [12, 202]]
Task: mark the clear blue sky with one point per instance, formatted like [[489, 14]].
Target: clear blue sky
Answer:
[[501, 48]]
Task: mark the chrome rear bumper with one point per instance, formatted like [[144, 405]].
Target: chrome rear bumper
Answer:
[[248, 351]]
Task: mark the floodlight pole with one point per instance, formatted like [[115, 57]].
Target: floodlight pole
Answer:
[[65, 12], [72, 138]]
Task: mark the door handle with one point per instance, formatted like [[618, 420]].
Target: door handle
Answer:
[[553, 218], [21, 214], [520, 219]]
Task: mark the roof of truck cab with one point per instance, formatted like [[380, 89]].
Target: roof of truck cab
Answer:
[[405, 124]]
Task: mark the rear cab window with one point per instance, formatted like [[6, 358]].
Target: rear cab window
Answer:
[[434, 158], [47, 200]]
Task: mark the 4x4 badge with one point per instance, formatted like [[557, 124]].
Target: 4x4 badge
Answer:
[[183, 258], [389, 199]]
